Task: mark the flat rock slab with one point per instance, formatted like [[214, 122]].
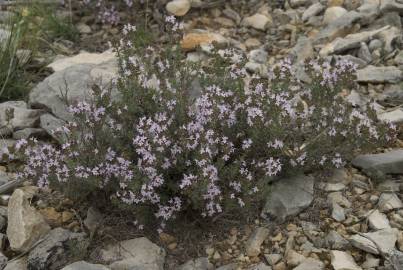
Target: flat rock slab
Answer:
[[388, 163], [289, 196], [73, 83], [343, 261], [382, 241], [82, 265], [58, 248], [138, 252], [372, 74]]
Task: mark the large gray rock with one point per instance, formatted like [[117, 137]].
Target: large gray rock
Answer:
[[73, 83], [138, 253], [349, 42], [313, 10], [388, 202], [50, 124], [334, 240], [378, 220], [197, 264], [15, 115], [372, 74], [340, 27], [395, 116], [18, 264], [255, 241], [343, 261], [25, 225], [289, 196], [385, 163], [391, 6], [82, 265], [310, 264], [333, 13], [379, 242], [58, 248]]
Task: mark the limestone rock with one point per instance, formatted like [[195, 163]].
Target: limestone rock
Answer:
[[178, 7], [16, 115], [372, 74], [289, 196], [389, 201], [82, 265], [19, 264], [197, 264], [382, 241], [378, 220], [257, 21], [310, 264], [333, 13], [343, 261], [58, 248], [255, 241], [25, 224], [313, 10], [82, 58], [138, 252], [388, 163]]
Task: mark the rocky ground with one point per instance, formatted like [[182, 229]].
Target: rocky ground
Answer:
[[350, 220]]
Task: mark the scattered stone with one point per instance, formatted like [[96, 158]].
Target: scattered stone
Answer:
[[258, 56], [395, 116], [343, 261], [18, 264], [25, 225], [310, 264], [93, 219], [378, 220], [332, 187], [372, 74], [298, 3], [273, 259], [294, 258], [337, 197], [255, 241], [340, 27], [382, 241], [134, 253], [338, 213], [15, 115], [82, 58], [197, 264], [334, 240], [370, 262], [192, 41], [260, 266], [289, 196], [257, 21], [388, 163], [49, 123], [313, 10], [72, 83], [178, 7], [59, 248], [333, 13], [27, 133], [389, 201], [82, 265]]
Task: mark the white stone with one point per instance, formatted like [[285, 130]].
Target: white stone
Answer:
[[82, 58], [25, 224], [138, 252], [378, 220], [389, 201], [178, 7], [332, 13], [343, 261], [255, 241], [257, 21], [380, 241]]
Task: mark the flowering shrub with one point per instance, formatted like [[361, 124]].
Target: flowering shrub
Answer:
[[179, 136], [108, 10]]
